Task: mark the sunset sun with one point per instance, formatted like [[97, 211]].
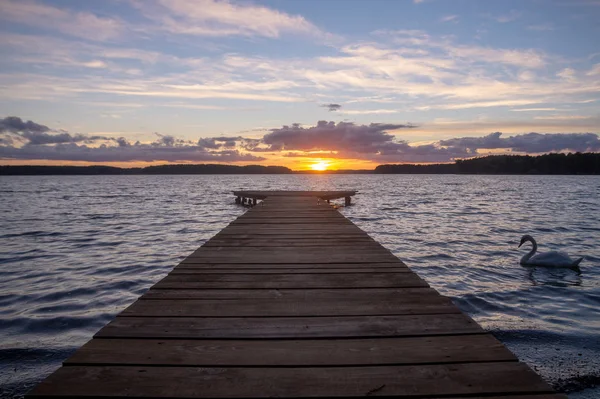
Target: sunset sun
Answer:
[[320, 165]]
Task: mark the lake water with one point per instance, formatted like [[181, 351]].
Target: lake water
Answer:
[[76, 250]]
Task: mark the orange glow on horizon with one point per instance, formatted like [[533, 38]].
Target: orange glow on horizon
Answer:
[[296, 164]]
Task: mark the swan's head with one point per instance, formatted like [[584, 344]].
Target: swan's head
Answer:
[[526, 238]]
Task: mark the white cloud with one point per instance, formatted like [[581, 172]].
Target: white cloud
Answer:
[[567, 74], [486, 104], [527, 58], [535, 109], [370, 112], [449, 18], [223, 18], [562, 117], [522, 58], [95, 64], [595, 71], [80, 24]]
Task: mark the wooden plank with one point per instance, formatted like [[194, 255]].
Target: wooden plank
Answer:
[[318, 294], [287, 244], [313, 233], [295, 227], [278, 221], [268, 213], [270, 210], [307, 246], [380, 351], [309, 232], [432, 303], [356, 242], [284, 233], [295, 217], [187, 270], [219, 252], [366, 248], [306, 258], [304, 281], [295, 196], [288, 235], [222, 382], [304, 240], [296, 238], [288, 255], [288, 327], [192, 264], [301, 227], [298, 233]]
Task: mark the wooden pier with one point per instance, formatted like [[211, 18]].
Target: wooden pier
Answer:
[[293, 300]]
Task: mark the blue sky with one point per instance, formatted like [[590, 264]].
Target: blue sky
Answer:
[[143, 76]]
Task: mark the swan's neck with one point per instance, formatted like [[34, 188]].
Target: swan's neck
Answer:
[[528, 256]]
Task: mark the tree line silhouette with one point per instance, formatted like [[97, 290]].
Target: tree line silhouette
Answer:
[[204, 169], [548, 164]]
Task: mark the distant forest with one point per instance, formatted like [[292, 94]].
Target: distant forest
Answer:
[[206, 169], [549, 164]]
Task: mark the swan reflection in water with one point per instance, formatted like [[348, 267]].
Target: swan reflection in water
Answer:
[[553, 277]]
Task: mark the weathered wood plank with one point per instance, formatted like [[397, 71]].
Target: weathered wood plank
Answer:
[[352, 246], [296, 196], [290, 244], [199, 264], [288, 235], [309, 233], [299, 258], [304, 281], [292, 214], [306, 246], [204, 270], [259, 241], [380, 351], [229, 239], [322, 227], [289, 255], [288, 327], [222, 251], [415, 303], [191, 382], [317, 294], [279, 221]]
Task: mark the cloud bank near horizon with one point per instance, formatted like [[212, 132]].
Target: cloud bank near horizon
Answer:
[[28, 140]]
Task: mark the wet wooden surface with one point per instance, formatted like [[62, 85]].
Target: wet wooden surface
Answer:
[[293, 300]]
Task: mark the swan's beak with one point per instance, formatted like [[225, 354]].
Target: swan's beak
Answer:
[[520, 245]]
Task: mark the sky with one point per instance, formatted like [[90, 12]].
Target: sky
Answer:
[[339, 84]]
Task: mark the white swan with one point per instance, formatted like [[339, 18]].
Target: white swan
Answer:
[[556, 259]]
